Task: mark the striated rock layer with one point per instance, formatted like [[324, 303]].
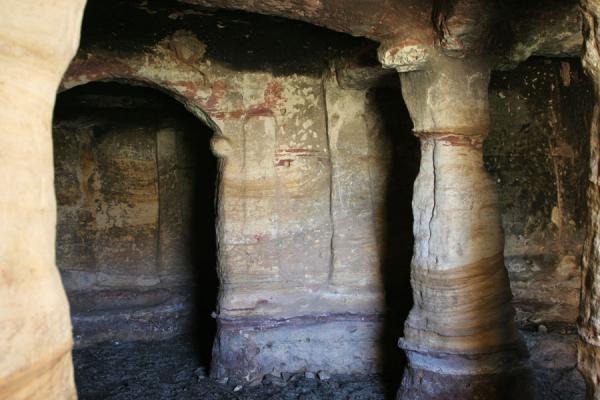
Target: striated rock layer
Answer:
[[303, 172], [315, 186], [36, 44], [460, 336]]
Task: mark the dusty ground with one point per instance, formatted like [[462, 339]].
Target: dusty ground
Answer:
[[170, 370]]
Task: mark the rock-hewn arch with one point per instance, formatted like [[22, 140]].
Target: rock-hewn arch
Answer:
[[81, 72], [135, 187]]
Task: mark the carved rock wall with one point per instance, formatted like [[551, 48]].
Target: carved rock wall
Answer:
[[282, 254], [312, 254], [537, 154], [588, 327], [135, 191]]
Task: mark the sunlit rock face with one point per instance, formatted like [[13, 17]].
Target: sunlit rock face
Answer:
[[35, 332], [316, 166]]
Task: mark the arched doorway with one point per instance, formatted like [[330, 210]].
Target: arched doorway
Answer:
[[135, 183]]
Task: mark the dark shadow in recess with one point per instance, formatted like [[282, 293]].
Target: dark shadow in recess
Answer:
[[202, 239], [193, 175], [397, 245]]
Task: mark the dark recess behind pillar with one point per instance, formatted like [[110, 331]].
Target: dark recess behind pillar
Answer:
[[398, 242]]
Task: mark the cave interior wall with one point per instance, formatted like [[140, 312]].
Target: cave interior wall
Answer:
[[314, 184]]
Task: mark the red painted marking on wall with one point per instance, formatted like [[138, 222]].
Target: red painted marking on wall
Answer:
[[285, 157], [190, 88], [273, 94], [272, 99], [96, 68], [258, 111], [296, 150], [217, 93], [93, 69], [284, 162]]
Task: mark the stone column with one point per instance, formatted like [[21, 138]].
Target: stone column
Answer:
[[460, 337], [37, 41], [588, 354]]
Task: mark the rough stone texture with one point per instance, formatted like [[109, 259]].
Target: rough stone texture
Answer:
[[538, 157], [588, 323], [107, 189], [260, 347], [509, 31], [294, 259], [433, 109], [548, 29], [169, 370], [130, 164], [277, 226], [37, 41], [460, 336], [423, 384], [554, 361], [278, 156], [352, 299], [408, 19], [410, 31]]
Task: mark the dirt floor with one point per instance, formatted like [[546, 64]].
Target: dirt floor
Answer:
[[169, 370]]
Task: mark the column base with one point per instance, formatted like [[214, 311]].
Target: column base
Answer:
[[420, 384], [247, 348], [497, 375]]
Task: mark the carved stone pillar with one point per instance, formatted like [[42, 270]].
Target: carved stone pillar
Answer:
[[460, 337], [37, 41], [589, 314]]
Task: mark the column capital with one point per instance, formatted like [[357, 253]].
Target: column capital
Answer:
[[457, 28], [449, 97], [405, 56]]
